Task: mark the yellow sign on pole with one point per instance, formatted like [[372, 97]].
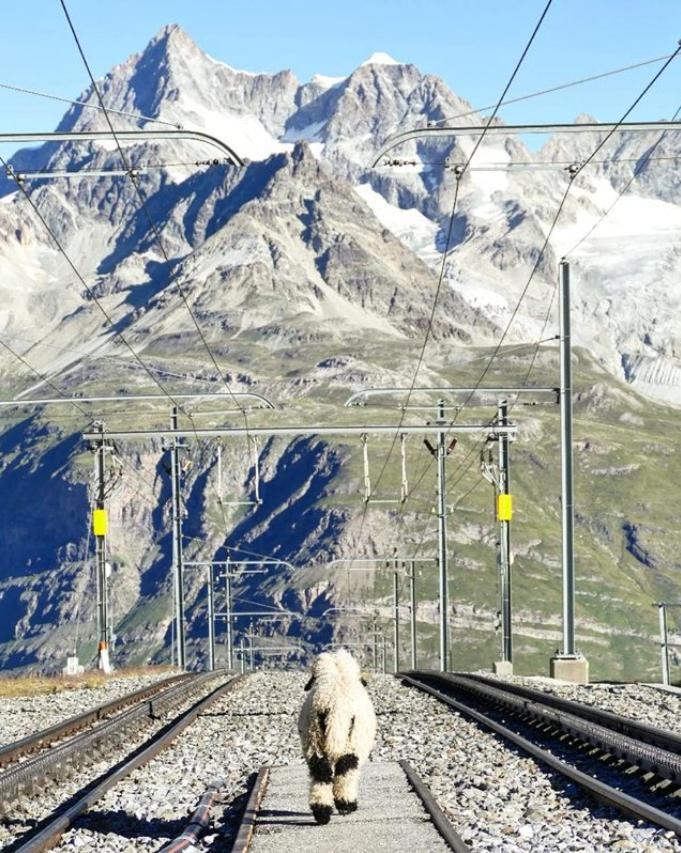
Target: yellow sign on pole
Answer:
[[100, 522], [505, 507]]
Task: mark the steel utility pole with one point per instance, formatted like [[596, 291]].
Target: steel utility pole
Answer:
[[396, 628], [504, 510], [228, 604], [178, 556], [211, 619], [441, 452], [412, 613], [664, 645], [100, 529], [568, 664]]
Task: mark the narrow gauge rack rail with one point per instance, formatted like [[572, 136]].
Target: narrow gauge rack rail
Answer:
[[44, 738], [664, 763], [56, 763], [49, 831], [663, 738]]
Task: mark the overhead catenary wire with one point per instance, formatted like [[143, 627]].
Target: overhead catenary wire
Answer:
[[47, 95], [572, 175], [93, 296], [459, 175], [41, 376], [558, 88], [145, 208], [643, 163], [530, 165]]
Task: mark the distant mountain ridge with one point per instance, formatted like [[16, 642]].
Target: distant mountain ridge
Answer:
[[312, 275]]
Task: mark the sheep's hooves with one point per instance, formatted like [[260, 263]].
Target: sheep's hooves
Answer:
[[345, 807], [322, 814]]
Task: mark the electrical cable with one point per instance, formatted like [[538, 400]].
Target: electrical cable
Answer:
[[637, 172], [135, 116], [117, 334], [143, 202], [459, 174], [38, 374], [554, 89], [573, 174]]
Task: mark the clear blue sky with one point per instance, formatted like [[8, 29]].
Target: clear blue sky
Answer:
[[472, 44]]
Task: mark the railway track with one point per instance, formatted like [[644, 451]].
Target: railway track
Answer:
[[399, 813], [598, 750], [66, 759], [46, 737]]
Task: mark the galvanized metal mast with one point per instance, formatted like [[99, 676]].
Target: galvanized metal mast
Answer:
[[178, 567], [442, 540], [504, 537], [211, 619], [100, 530], [567, 464], [396, 627], [228, 604], [664, 643], [412, 614], [568, 663]]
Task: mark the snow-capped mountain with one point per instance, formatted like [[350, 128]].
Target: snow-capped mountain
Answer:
[[310, 273], [502, 216]]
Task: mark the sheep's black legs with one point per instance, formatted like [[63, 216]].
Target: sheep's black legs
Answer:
[[346, 784], [321, 789]]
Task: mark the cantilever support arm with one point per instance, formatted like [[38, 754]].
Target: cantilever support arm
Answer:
[[127, 398], [359, 397], [508, 129], [127, 136]]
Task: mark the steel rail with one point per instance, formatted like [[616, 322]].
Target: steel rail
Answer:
[[50, 831], [126, 136], [663, 738], [250, 813], [39, 740], [198, 822], [55, 763], [506, 129], [354, 429], [439, 818], [658, 760], [600, 790]]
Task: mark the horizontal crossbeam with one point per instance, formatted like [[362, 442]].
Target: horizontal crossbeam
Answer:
[[354, 429]]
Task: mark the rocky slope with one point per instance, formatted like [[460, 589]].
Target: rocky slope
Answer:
[[311, 275]]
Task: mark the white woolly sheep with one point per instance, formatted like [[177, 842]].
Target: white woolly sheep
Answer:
[[337, 726]]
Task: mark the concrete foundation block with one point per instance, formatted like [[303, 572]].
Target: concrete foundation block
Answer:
[[504, 668], [573, 669]]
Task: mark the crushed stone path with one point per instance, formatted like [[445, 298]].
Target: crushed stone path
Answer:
[[390, 816]]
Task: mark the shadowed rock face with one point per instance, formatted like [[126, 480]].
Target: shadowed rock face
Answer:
[[311, 276]]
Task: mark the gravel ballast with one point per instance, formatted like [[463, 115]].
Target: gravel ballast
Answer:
[[21, 716], [32, 808], [497, 799], [636, 701]]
